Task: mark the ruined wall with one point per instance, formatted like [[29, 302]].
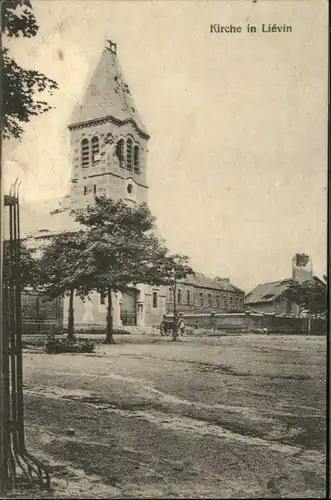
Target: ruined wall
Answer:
[[302, 268]]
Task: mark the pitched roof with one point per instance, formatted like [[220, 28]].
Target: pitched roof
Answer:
[[203, 281], [267, 292], [107, 94], [46, 217]]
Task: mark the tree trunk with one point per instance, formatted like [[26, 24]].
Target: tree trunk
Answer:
[[71, 323], [109, 331]]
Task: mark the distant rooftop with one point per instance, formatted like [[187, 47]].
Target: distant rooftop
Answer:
[[203, 281], [267, 292]]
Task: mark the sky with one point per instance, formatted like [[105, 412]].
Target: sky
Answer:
[[237, 162]]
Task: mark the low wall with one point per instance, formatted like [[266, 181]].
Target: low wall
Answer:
[[220, 321], [255, 322]]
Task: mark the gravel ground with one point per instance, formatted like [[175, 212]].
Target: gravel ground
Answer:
[[213, 417]]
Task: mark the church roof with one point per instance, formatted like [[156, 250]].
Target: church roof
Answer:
[[107, 94], [45, 218]]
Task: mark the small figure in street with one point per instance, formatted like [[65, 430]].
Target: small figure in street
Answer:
[[163, 326], [175, 327], [180, 324]]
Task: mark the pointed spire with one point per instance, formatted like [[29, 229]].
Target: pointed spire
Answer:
[[107, 93]]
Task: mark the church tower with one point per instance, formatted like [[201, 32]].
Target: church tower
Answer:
[[108, 138]]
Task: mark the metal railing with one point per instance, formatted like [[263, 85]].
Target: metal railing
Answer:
[[129, 318]]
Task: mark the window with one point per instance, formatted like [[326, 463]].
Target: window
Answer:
[[129, 146], [95, 148], [154, 299], [170, 294], [217, 300], [85, 189], [230, 301], [95, 189], [85, 153], [129, 188], [188, 297], [225, 302], [201, 299], [179, 297], [209, 300], [120, 152], [136, 159], [102, 297]]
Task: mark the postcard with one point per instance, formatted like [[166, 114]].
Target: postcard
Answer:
[[164, 242]]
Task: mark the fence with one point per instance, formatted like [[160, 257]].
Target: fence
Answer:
[[255, 322], [40, 315], [129, 318]]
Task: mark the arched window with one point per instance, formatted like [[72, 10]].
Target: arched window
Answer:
[[95, 148], [120, 152], [217, 301], [129, 147], [85, 153], [209, 300], [179, 297], [136, 159], [188, 297]]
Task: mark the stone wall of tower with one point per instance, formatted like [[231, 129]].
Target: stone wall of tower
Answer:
[[106, 174], [302, 268]]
